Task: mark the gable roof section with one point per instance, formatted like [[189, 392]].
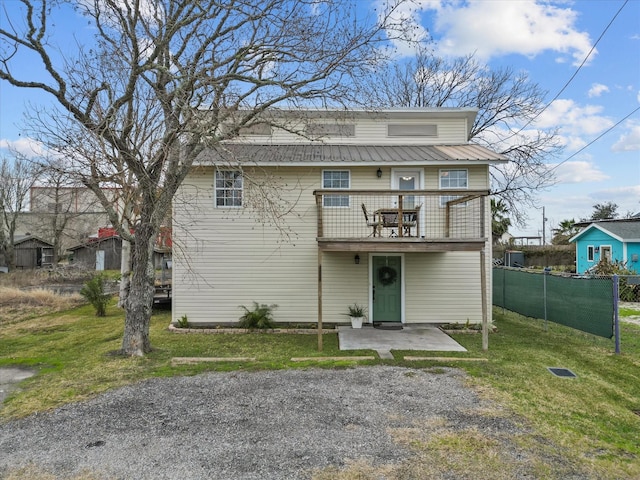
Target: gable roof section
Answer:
[[20, 239], [323, 154], [623, 230], [94, 242]]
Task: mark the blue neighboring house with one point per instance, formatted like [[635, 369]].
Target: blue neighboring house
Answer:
[[615, 240]]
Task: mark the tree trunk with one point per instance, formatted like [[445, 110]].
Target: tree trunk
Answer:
[[139, 303], [11, 255]]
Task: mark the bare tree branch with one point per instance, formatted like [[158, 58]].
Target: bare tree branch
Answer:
[[161, 79], [505, 100]]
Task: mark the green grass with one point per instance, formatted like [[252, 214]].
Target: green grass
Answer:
[[593, 415], [628, 312], [590, 418], [73, 352]]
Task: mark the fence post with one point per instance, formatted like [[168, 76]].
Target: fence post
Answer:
[[547, 270], [616, 316]]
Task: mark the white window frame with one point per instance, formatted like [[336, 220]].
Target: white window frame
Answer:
[[344, 200], [445, 199], [591, 253], [223, 189]]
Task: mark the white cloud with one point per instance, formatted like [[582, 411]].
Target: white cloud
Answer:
[[495, 28], [628, 141], [597, 89], [579, 172], [408, 16], [626, 197], [23, 146], [574, 119]]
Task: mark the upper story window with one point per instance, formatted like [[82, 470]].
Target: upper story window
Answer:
[[336, 179], [453, 180], [228, 188]]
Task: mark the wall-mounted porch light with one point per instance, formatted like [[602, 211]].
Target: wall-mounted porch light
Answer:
[[357, 259], [379, 173]]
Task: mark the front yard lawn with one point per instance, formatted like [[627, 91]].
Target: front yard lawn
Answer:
[[595, 417]]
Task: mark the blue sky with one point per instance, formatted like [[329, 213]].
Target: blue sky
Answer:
[[548, 39]]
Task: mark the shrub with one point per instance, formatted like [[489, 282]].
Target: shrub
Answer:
[[357, 311], [93, 292], [627, 293], [183, 322], [261, 317]]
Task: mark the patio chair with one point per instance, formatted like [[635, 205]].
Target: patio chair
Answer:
[[410, 220], [373, 220]]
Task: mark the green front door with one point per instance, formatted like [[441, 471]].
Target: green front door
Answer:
[[387, 288]]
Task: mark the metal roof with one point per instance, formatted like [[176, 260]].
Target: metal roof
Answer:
[[624, 230], [306, 154]]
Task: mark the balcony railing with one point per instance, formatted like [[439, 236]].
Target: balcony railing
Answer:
[[401, 215]]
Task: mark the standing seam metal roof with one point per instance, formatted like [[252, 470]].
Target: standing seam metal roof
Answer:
[[352, 154]]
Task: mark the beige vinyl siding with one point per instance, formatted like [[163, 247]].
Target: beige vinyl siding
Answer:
[[374, 132], [443, 288], [226, 257], [450, 131], [344, 283]]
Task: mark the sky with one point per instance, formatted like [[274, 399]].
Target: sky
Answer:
[[580, 52], [585, 54]]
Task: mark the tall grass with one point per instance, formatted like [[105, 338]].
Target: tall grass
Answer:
[[18, 305]]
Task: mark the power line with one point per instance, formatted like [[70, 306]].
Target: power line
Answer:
[[594, 140], [574, 73]]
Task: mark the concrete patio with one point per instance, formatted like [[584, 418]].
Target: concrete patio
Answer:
[[424, 337]]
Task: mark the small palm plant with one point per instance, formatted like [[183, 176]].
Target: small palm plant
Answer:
[[93, 292], [261, 317], [357, 311]]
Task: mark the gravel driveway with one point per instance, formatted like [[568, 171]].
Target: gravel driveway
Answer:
[[244, 425]]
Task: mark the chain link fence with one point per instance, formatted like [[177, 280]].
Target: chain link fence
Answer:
[[584, 303], [589, 303]]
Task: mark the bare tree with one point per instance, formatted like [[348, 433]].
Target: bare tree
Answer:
[[165, 80], [507, 104], [17, 176]]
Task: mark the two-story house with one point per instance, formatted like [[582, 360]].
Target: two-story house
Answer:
[[386, 209]]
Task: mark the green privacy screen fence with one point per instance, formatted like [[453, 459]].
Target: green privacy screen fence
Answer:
[[586, 304]]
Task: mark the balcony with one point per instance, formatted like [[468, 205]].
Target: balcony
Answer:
[[401, 220]]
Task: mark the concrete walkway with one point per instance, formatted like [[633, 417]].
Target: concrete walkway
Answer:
[[423, 337]]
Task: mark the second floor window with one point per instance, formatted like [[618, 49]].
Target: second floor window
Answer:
[[452, 180], [228, 189], [336, 179]]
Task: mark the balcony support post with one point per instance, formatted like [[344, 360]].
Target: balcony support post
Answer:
[[483, 293], [319, 299], [319, 215]]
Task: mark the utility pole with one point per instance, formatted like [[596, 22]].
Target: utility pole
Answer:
[[544, 229]]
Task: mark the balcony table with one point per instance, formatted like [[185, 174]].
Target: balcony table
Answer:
[[391, 218]]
